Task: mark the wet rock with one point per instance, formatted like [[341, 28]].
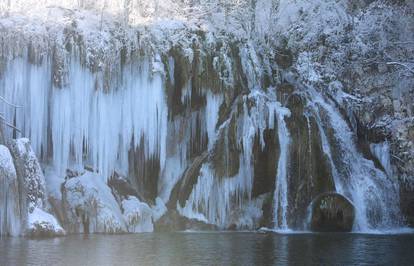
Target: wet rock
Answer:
[[332, 212], [179, 69], [198, 141], [225, 154], [232, 227], [267, 219], [284, 90], [407, 203], [264, 160], [173, 221], [143, 171], [309, 171], [121, 186]]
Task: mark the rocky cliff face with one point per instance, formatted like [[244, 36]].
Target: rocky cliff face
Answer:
[[184, 122]]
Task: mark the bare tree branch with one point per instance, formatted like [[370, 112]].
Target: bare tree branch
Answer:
[[9, 103], [4, 121]]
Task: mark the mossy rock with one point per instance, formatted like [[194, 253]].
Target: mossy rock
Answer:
[[332, 212]]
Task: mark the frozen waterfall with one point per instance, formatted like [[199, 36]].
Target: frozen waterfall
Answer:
[[86, 125], [81, 123]]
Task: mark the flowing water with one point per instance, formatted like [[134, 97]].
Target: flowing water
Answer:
[[211, 249], [281, 203]]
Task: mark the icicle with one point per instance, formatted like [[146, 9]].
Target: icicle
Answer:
[[212, 112], [28, 86], [382, 152], [87, 124], [180, 131]]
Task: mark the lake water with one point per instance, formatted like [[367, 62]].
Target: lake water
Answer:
[[219, 248]]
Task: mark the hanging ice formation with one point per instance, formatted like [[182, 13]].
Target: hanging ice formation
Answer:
[[211, 132]]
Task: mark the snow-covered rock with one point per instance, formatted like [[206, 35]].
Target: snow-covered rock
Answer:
[[11, 216], [23, 193], [90, 206], [43, 224], [138, 215], [29, 171]]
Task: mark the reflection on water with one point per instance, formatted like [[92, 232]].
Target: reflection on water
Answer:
[[210, 249]]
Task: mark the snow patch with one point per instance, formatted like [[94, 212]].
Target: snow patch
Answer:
[[41, 223]]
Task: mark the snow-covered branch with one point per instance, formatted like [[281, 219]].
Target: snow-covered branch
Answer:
[[405, 65]]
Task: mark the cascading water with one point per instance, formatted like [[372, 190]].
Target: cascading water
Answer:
[[374, 195], [281, 192]]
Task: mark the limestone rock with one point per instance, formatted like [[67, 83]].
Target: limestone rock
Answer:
[[332, 212]]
